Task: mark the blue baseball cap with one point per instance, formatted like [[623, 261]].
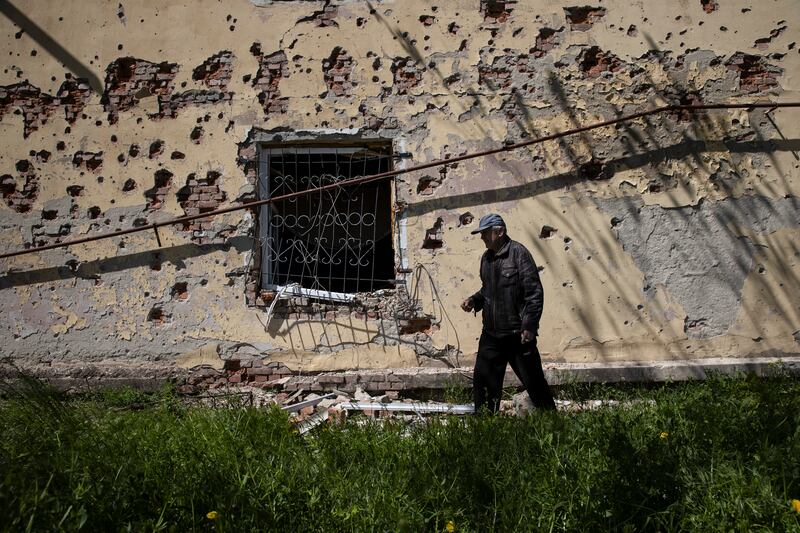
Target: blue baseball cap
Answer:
[[489, 221]]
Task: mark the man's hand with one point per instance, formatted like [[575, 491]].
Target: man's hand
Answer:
[[468, 305], [526, 336]]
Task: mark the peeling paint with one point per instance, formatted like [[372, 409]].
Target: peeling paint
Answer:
[[669, 237], [72, 321], [699, 254]]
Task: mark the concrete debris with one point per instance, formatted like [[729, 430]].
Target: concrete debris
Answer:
[[312, 421], [522, 404], [314, 410], [311, 401]]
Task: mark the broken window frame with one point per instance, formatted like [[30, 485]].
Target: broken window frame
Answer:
[[339, 147]]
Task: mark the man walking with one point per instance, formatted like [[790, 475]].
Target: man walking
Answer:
[[511, 298]]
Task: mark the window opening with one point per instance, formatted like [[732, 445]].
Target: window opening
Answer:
[[333, 242]]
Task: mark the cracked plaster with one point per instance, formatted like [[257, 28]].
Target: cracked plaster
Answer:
[[733, 173]]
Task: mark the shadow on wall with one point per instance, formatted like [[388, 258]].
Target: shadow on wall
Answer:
[[649, 143], [643, 144], [567, 179], [395, 320], [94, 269], [51, 45]]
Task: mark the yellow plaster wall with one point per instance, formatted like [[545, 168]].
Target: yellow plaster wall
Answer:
[[596, 307]]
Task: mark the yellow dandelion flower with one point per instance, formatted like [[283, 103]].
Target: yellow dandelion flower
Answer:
[[212, 515], [796, 506], [450, 527], [663, 435]]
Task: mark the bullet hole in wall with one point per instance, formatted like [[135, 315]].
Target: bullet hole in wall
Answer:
[[465, 219], [179, 291], [156, 149], [129, 185], [547, 232]]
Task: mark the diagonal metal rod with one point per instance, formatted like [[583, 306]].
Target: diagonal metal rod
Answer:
[[392, 173]]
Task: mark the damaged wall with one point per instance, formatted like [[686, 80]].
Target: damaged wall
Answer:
[[661, 238]]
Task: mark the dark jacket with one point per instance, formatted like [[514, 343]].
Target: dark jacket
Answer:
[[512, 296]]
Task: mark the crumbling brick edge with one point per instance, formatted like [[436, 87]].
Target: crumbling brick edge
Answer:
[[395, 381]]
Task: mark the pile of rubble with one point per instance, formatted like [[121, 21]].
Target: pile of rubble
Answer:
[[308, 410]]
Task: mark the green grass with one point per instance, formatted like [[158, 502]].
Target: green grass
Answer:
[[122, 460]]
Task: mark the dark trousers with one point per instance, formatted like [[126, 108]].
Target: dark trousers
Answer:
[[490, 369]]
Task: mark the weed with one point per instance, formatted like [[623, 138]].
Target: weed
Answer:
[[717, 455], [455, 392]]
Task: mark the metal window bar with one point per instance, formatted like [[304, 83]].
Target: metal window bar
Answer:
[[325, 243]]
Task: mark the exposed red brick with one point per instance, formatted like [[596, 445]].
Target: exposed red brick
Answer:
[[497, 10], [168, 106], [179, 291], [593, 62], [545, 41], [499, 74], [129, 79], [73, 95], [20, 199], [247, 160], [583, 18], [755, 74], [92, 161], [406, 73], [337, 69], [216, 71], [198, 196], [272, 69], [709, 6], [157, 316], [36, 107], [162, 183]]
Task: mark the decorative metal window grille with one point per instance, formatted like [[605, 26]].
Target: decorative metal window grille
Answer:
[[336, 241]]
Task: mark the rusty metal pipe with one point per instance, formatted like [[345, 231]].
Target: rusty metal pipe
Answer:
[[383, 175]]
